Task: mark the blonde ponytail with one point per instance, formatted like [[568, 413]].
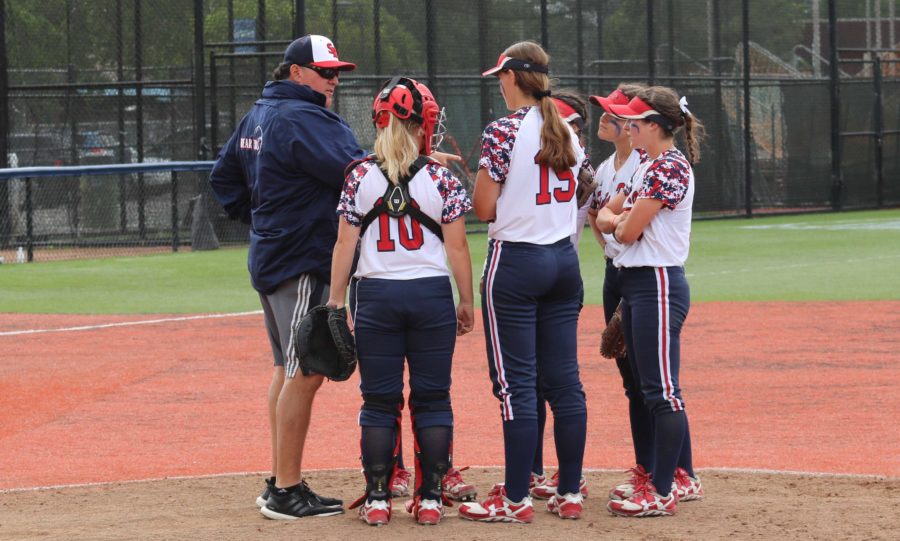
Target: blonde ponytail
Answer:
[[396, 148]]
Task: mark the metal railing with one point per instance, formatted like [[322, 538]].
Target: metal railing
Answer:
[[29, 174]]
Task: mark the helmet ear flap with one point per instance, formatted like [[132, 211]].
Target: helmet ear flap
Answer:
[[381, 119], [398, 97]]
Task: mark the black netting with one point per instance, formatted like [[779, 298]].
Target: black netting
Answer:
[[113, 81]]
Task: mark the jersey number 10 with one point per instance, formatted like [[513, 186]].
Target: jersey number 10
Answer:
[[411, 238], [561, 195]]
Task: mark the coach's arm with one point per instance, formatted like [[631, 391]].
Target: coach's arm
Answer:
[[228, 183]]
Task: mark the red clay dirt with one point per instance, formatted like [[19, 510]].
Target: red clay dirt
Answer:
[[775, 386], [778, 386]]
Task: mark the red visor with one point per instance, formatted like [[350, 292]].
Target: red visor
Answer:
[[634, 109], [616, 97], [566, 112]]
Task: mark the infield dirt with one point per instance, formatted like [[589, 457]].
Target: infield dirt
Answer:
[[737, 506], [768, 386]]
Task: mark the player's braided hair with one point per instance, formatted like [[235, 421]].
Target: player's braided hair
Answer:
[[665, 101], [556, 147]]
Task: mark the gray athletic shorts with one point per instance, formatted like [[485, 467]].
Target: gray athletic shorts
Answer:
[[283, 309]]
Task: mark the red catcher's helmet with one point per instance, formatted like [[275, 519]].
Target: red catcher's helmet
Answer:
[[407, 99]]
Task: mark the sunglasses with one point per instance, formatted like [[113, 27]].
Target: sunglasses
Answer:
[[325, 73]]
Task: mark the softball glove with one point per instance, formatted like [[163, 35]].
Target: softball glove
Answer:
[[612, 341], [324, 344]]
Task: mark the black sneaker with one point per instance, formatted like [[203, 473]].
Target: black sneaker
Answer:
[[296, 503], [327, 502], [264, 497]]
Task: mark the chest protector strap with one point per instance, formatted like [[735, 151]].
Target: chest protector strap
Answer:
[[396, 202]]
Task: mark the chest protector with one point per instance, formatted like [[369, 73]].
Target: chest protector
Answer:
[[396, 202]]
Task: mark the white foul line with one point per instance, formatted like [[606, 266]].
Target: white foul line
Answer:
[[750, 471], [130, 323]]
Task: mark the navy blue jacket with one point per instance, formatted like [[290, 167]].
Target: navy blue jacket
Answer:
[[282, 172]]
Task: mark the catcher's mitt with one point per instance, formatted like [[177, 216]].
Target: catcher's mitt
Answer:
[[612, 341], [586, 186], [324, 344]]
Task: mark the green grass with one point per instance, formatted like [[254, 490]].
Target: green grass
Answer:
[[845, 256], [215, 281]]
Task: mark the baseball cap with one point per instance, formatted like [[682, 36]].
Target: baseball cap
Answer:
[[510, 63], [315, 50], [616, 97]]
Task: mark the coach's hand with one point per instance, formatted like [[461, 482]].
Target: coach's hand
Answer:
[[444, 158], [465, 318]]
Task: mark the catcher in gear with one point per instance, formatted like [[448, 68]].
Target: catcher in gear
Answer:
[[324, 343], [405, 212]]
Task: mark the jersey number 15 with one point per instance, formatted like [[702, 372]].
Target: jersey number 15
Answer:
[[561, 195]]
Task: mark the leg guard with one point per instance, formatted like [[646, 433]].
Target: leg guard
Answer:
[[429, 409], [383, 410], [399, 474], [432, 419], [380, 419], [432, 445], [377, 479], [380, 409]]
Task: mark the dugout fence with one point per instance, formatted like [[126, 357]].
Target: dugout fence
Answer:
[[70, 212], [794, 124]]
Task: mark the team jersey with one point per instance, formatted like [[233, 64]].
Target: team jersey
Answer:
[[401, 248], [611, 183], [536, 205], [665, 241]]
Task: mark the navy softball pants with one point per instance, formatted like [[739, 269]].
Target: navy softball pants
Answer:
[[530, 305], [657, 300], [398, 321], [640, 420]]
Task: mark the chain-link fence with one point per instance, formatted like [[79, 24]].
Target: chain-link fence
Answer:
[[131, 81]]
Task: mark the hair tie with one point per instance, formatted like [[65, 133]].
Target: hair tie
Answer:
[[539, 94], [682, 103]]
